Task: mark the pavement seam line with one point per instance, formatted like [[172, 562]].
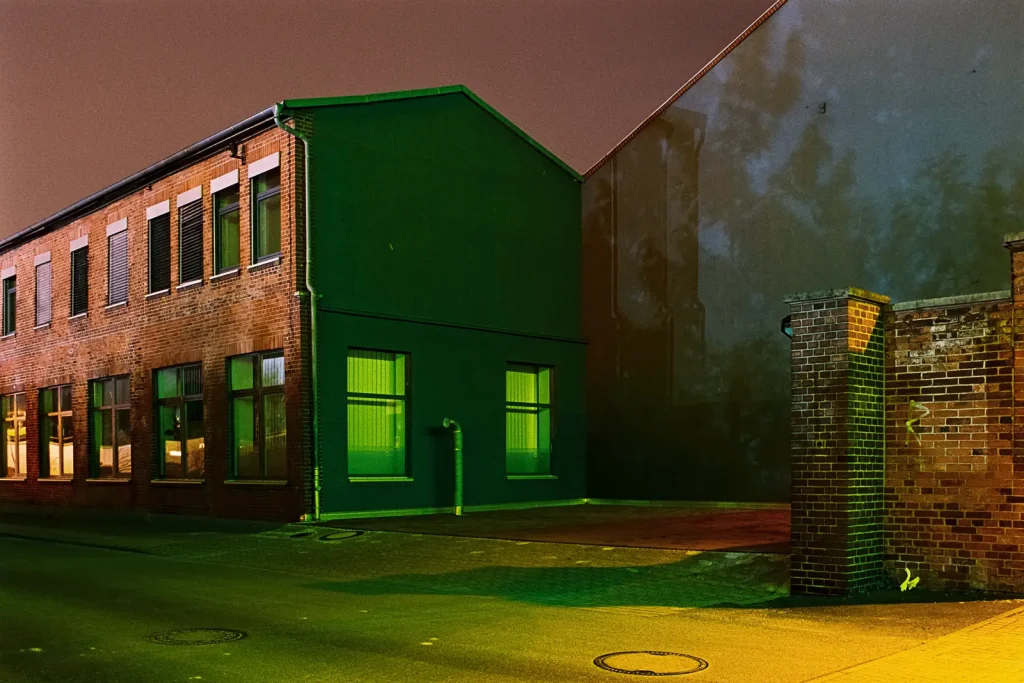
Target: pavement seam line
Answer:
[[929, 643], [81, 544]]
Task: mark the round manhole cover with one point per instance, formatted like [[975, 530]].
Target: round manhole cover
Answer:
[[340, 535], [197, 636], [651, 663]]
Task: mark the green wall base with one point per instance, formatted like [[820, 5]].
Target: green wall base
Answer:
[[682, 504], [404, 512]]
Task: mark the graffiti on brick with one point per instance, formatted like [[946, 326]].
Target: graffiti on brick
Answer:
[[908, 583], [914, 405]]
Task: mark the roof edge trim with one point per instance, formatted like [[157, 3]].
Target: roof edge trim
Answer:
[[686, 86], [132, 183], [429, 92]]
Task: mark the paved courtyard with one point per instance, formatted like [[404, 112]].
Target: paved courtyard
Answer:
[[755, 529], [81, 600]]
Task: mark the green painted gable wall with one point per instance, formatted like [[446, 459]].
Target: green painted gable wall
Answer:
[[462, 242], [430, 207]]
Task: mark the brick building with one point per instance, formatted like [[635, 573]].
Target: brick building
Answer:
[[172, 343]]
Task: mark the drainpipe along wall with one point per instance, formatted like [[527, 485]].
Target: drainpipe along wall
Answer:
[[457, 434], [310, 292]]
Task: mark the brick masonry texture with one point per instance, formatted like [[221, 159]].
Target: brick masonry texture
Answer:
[[837, 445], [251, 310], [950, 417], [949, 484]]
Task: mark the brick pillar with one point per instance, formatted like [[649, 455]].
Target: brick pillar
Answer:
[[1015, 243], [838, 466]]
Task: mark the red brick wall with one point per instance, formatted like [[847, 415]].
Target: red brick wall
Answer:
[[251, 311], [950, 520], [953, 479]]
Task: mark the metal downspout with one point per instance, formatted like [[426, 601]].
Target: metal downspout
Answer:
[[448, 422], [313, 298]]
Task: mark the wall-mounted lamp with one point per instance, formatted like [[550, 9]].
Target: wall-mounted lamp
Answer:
[[238, 151], [787, 326]]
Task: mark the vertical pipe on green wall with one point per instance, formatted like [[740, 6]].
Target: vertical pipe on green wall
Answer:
[[448, 422], [310, 292]]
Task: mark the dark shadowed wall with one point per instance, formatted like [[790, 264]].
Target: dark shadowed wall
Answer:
[[844, 143]]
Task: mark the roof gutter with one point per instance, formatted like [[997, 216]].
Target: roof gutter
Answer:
[[118, 190]]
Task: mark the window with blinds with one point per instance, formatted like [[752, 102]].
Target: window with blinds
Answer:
[[160, 253], [527, 419], [43, 298], [79, 281], [190, 242], [117, 268], [377, 414]]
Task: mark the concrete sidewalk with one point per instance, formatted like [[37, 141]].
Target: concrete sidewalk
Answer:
[[988, 652]]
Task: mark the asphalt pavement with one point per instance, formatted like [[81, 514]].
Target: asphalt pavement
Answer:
[[114, 601]]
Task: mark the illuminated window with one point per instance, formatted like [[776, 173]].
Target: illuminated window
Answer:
[[10, 304], [12, 407], [258, 434], [110, 422], [56, 431], [266, 215], [527, 419], [225, 230], [377, 393], [179, 421]]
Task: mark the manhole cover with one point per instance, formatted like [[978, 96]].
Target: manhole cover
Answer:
[[651, 663], [340, 535], [197, 636], [303, 534]]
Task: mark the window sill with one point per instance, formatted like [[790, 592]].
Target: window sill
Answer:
[[189, 285], [175, 482], [226, 274], [109, 480], [528, 477], [9, 335], [55, 480], [18, 478], [265, 263], [256, 482], [44, 326], [381, 480], [78, 316], [119, 304], [157, 295]]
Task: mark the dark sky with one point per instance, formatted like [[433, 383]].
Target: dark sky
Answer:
[[93, 91]]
